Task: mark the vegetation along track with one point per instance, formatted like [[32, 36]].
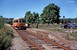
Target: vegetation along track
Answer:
[[40, 43]]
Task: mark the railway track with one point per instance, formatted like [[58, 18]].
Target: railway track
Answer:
[[39, 43]]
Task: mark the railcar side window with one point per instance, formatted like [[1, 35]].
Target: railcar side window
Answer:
[[19, 21], [23, 21], [15, 20]]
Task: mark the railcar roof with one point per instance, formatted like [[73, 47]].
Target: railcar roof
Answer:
[[18, 18]]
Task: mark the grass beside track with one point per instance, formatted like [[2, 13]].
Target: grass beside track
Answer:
[[74, 35], [5, 37], [57, 27]]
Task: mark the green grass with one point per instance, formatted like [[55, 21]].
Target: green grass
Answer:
[[74, 35], [46, 26], [5, 38]]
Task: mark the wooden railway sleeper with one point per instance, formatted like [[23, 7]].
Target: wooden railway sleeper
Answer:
[[50, 41], [30, 41]]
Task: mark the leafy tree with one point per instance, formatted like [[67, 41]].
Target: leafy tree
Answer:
[[36, 19], [1, 21], [50, 14], [32, 18], [29, 17]]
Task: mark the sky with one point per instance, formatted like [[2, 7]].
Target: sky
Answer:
[[18, 8]]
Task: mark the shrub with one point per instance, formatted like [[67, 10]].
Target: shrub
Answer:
[[5, 38]]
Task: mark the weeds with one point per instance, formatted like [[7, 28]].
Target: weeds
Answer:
[[5, 38]]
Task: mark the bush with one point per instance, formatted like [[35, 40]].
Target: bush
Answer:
[[5, 38]]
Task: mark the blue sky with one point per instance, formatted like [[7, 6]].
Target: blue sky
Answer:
[[18, 8]]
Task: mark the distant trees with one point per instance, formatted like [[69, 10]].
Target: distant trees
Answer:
[[50, 14], [2, 21], [75, 20], [63, 20]]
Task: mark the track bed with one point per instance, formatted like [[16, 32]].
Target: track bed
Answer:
[[38, 43]]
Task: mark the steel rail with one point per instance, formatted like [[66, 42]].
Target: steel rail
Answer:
[[47, 40], [29, 40]]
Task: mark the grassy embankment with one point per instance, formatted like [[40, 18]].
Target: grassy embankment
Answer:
[[5, 37]]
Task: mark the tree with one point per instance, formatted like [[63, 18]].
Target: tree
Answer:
[[50, 14], [29, 17], [1, 21], [32, 18], [75, 20], [36, 19]]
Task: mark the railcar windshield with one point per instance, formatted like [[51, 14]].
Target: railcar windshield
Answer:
[[21, 21], [15, 20]]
